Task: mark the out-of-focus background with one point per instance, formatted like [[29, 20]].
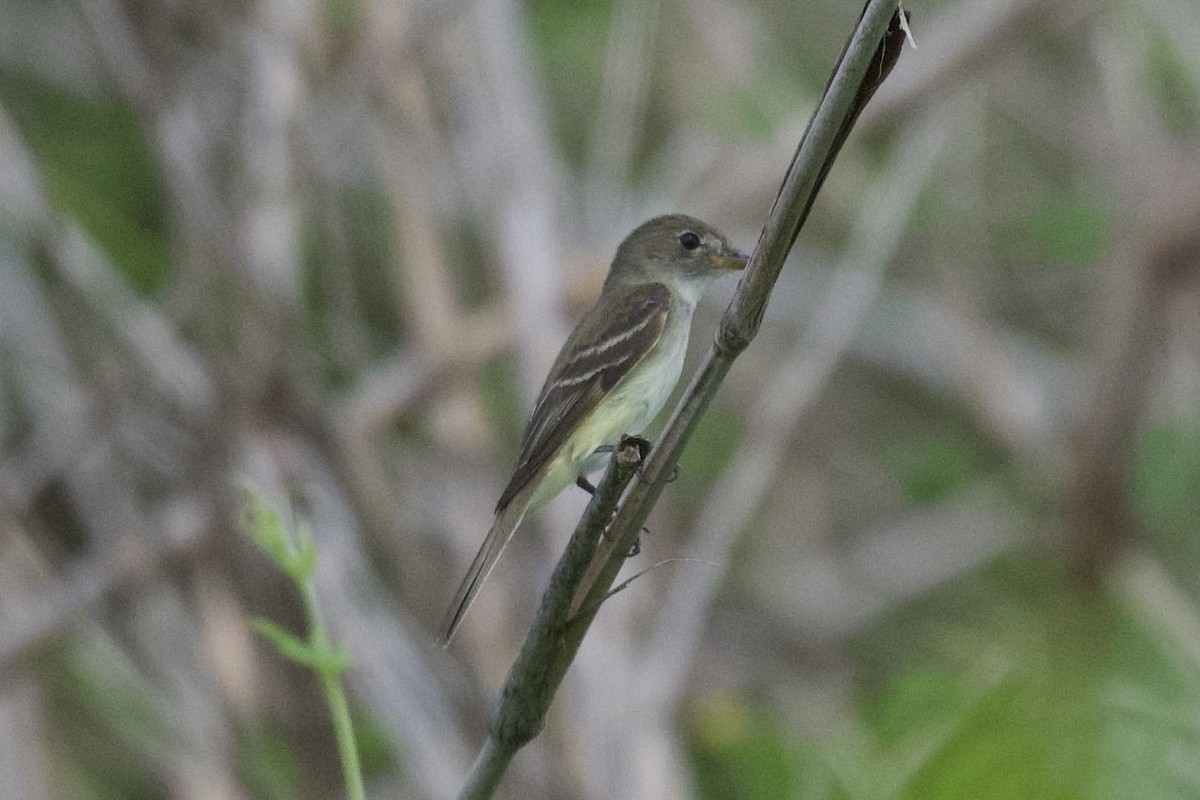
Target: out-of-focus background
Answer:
[[943, 518]]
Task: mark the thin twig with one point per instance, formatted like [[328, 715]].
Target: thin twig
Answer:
[[625, 584]]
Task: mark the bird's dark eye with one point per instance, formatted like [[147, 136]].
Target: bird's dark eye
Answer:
[[689, 240]]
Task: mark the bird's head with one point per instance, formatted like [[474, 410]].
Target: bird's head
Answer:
[[675, 249]]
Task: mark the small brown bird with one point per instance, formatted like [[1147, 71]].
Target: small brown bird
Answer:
[[612, 377]]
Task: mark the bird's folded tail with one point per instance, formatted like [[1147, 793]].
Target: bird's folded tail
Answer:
[[507, 520]]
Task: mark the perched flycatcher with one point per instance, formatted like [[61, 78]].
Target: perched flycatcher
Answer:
[[612, 377]]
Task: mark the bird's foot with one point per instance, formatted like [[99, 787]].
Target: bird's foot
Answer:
[[644, 446]]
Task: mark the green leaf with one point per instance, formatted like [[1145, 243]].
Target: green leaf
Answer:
[[288, 645], [97, 167], [740, 752], [1011, 685], [110, 725], [1166, 488], [933, 468], [1172, 85], [711, 448], [304, 555], [1072, 227], [294, 554], [271, 769], [326, 660]]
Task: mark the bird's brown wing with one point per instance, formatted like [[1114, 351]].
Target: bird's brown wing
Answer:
[[601, 351]]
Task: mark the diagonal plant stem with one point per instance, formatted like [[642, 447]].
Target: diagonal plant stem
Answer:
[[588, 568]]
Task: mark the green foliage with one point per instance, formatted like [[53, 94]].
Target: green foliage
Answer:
[[505, 409], [109, 729], [348, 272], [342, 13], [322, 660], [1166, 487], [713, 444], [375, 745], [267, 764], [1007, 685], [933, 208], [932, 468], [1172, 84], [295, 554], [472, 265], [294, 551], [756, 110], [1058, 704], [741, 752], [569, 40], [915, 700], [96, 167], [1071, 227]]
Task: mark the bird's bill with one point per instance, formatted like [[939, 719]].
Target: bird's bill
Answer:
[[735, 260]]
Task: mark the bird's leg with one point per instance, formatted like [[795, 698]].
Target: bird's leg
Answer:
[[590, 488], [643, 446]]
